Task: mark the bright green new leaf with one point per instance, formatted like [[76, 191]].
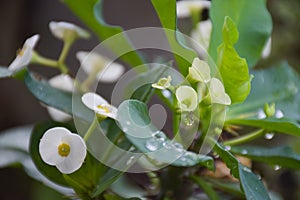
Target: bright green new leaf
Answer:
[[253, 22], [90, 12], [283, 156], [251, 185], [232, 67]]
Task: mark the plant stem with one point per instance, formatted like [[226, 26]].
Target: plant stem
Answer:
[[36, 58], [245, 138], [91, 129], [63, 55]]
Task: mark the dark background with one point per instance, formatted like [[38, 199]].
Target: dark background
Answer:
[[19, 19]]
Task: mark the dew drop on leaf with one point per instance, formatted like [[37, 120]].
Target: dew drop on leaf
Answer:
[[269, 136], [277, 167], [244, 152], [152, 144]]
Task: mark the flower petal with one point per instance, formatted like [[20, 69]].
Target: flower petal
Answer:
[[187, 98], [217, 92], [184, 7], [49, 143], [23, 58], [63, 82], [200, 71], [111, 73], [77, 154], [58, 115], [58, 29]]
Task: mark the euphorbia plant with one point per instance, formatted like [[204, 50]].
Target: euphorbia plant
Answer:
[[216, 101]]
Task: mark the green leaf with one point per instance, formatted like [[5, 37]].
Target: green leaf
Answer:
[[206, 187], [253, 188], [282, 125], [184, 56], [57, 98], [279, 85], [141, 132], [90, 12], [253, 22], [232, 67], [283, 156], [4, 72]]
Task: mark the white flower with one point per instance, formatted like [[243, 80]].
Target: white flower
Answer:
[[184, 8], [63, 149], [201, 34], [62, 30], [217, 92], [267, 49], [25, 54], [163, 83], [187, 98], [199, 71], [66, 83], [96, 103], [107, 71]]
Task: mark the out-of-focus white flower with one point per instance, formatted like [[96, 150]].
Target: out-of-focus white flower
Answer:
[[66, 83], [185, 8], [201, 34], [199, 71], [63, 30], [267, 49], [163, 83], [217, 92], [24, 55], [187, 98], [99, 105], [63, 149], [107, 71]]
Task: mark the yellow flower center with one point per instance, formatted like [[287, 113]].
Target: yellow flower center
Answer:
[[20, 52], [64, 149], [104, 107]]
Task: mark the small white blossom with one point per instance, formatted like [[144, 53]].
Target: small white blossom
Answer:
[[25, 54], [61, 30], [163, 83], [63, 149], [62, 82], [187, 98], [217, 92], [99, 105], [107, 71], [184, 8], [200, 71], [201, 34]]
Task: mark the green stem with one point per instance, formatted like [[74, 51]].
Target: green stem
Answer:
[[90, 79], [245, 138], [63, 55], [36, 58], [91, 129]]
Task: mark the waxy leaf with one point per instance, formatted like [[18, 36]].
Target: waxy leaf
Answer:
[[283, 156], [251, 185], [232, 67], [253, 22]]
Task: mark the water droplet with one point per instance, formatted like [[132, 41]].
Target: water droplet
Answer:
[[178, 147], [279, 114], [128, 123], [183, 159], [188, 119], [159, 135], [259, 176], [261, 114], [166, 93], [277, 167], [227, 148], [130, 160], [246, 169], [215, 155], [244, 151], [152, 144], [125, 129], [191, 156], [269, 136], [168, 145]]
